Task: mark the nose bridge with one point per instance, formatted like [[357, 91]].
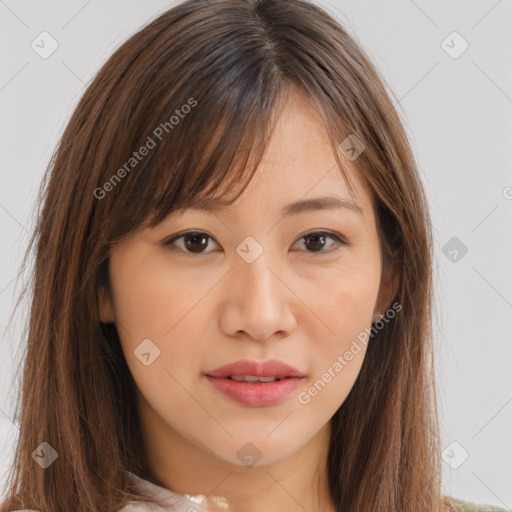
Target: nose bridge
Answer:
[[256, 281], [257, 298]]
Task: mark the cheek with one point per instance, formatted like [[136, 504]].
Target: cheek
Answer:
[[339, 335], [342, 299], [151, 297], [153, 303]]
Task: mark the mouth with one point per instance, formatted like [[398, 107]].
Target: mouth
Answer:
[[256, 384]]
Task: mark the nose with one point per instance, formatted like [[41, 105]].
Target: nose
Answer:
[[258, 302]]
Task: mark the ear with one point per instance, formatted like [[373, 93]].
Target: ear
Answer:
[[388, 290], [105, 306]]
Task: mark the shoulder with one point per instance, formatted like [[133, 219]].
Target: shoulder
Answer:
[[466, 506]]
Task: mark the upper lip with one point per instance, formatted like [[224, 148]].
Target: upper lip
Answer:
[[271, 368]]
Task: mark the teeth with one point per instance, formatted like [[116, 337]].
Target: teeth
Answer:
[[268, 379], [253, 378], [245, 378]]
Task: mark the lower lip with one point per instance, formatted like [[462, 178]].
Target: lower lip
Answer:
[[256, 394]]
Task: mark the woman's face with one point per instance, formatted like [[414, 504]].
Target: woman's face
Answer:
[[251, 286]]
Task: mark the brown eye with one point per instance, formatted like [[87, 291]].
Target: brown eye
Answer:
[[192, 242], [316, 241], [196, 243]]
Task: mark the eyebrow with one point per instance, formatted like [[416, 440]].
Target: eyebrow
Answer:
[[295, 208], [320, 203]]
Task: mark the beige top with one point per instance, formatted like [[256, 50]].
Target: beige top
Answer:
[[172, 500], [175, 502]]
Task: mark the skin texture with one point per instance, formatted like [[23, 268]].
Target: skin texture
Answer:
[[298, 302]]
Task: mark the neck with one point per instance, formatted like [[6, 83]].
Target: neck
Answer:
[[296, 483]]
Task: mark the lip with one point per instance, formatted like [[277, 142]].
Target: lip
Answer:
[[270, 368], [256, 394]]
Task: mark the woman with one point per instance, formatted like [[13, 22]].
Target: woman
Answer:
[[285, 362]]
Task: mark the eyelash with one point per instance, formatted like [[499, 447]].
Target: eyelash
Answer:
[[337, 238]]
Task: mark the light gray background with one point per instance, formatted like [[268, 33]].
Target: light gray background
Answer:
[[458, 113]]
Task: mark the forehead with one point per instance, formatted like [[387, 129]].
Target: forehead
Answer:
[[297, 173], [324, 202], [299, 164]]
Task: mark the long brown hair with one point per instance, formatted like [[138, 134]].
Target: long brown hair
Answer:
[[198, 88]]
